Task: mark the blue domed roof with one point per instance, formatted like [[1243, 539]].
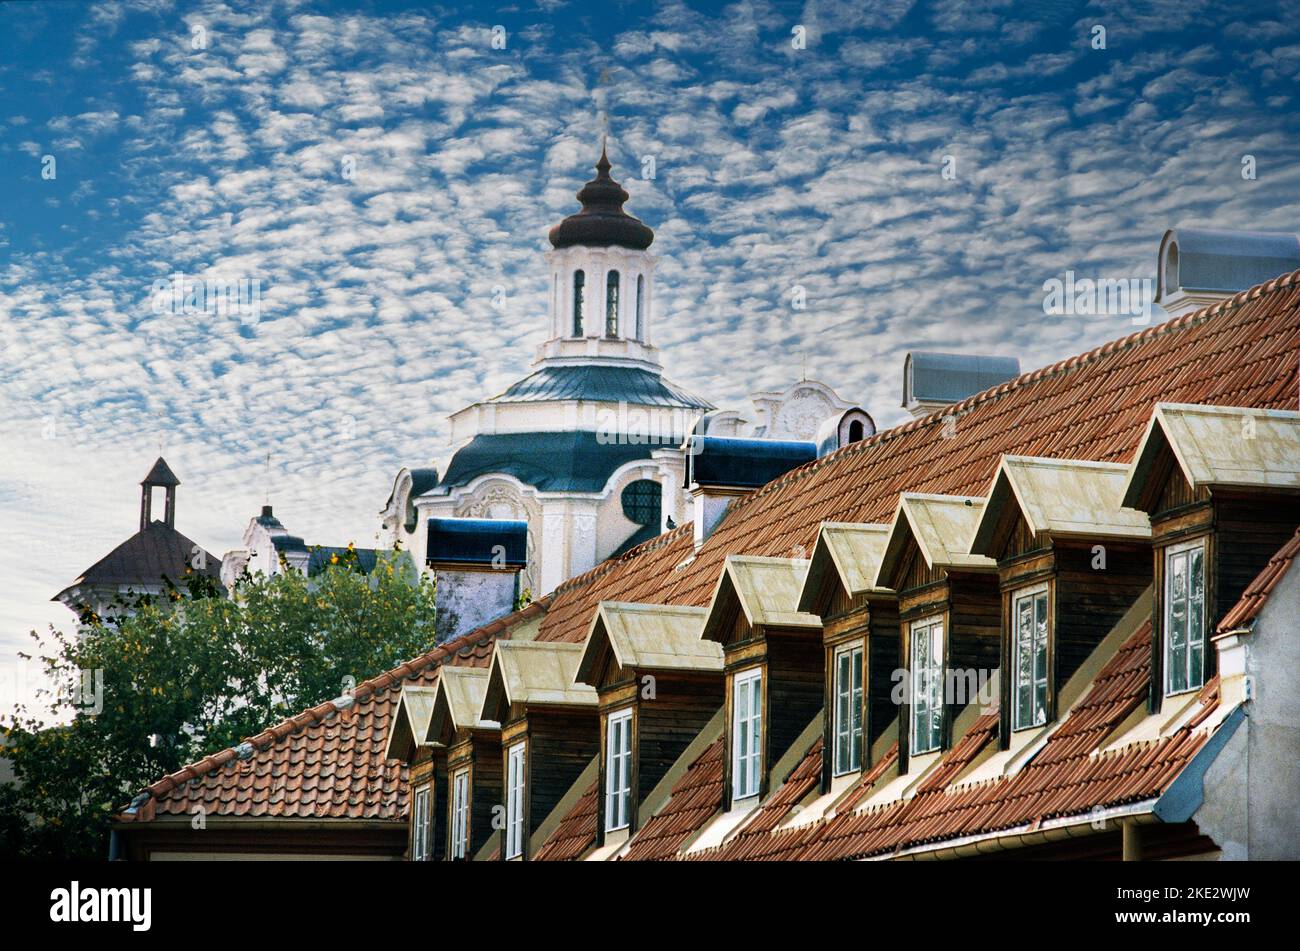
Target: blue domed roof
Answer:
[[580, 461], [600, 384]]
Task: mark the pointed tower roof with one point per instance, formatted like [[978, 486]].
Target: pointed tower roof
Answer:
[[602, 220], [160, 474]]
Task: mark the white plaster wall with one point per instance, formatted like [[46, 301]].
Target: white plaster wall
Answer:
[[470, 599], [1272, 768]]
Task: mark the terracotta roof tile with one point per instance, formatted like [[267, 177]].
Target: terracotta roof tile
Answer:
[[1068, 777], [323, 762], [1093, 406], [694, 799], [1255, 596], [576, 832], [1241, 352]]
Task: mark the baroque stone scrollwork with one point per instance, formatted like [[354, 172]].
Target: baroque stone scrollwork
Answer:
[[496, 499]]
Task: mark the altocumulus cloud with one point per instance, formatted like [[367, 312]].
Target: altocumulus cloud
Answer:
[[380, 172]]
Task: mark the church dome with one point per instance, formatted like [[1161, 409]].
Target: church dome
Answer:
[[602, 220]]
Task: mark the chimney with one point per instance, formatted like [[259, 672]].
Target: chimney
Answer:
[[475, 564], [720, 468], [1199, 266], [932, 381]]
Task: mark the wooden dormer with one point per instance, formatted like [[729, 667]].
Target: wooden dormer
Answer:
[[1071, 561], [471, 770], [426, 762], [950, 617], [659, 684], [773, 663], [549, 733], [860, 637], [1221, 486]]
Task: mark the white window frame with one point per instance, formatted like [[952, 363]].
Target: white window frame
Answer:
[[933, 627], [618, 770], [1195, 676], [1037, 717], [515, 763], [421, 814], [460, 813], [847, 720], [746, 733]]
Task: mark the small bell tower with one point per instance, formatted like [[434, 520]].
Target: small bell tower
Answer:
[[160, 476]]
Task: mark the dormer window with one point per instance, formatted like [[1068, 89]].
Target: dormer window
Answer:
[[579, 282], [747, 733], [848, 709], [421, 816], [459, 814], [927, 685], [618, 770], [1184, 626], [515, 801], [611, 304], [1029, 658]]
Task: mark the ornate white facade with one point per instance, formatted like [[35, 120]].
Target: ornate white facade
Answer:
[[588, 448]]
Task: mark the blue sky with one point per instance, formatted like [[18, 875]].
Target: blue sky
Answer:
[[774, 167]]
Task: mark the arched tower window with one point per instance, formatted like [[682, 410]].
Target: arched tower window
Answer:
[[611, 304], [579, 280], [640, 307], [855, 431]]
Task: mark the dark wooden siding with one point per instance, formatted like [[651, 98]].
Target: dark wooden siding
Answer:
[[1090, 602], [667, 724], [560, 745], [796, 683]]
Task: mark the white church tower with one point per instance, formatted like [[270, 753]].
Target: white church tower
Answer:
[[587, 449]]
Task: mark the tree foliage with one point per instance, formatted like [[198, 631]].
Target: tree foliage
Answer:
[[189, 673]]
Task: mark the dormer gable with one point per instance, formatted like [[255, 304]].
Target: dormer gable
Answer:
[[549, 733], [1213, 448], [949, 610], [755, 593], [659, 684], [1221, 485], [774, 667], [860, 635], [458, 705], [533, 675], [1071, 562], [410, 725], [626, 638]]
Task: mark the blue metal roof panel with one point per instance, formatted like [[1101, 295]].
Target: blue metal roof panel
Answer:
[[951, 377], [601, 384], [550, 462], [743, 463], [1211, 259], [478, 541]]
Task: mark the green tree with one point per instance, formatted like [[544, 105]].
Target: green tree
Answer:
[[167, 680]]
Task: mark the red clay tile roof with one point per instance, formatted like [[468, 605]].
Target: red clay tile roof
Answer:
[[1240, 352], [1255, 596], [324, 763], [754, 840], [694, 799], [576, 832], [1067, 777], [1095, 406]]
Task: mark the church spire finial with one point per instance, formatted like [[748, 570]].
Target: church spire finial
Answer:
[[602, 165]]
